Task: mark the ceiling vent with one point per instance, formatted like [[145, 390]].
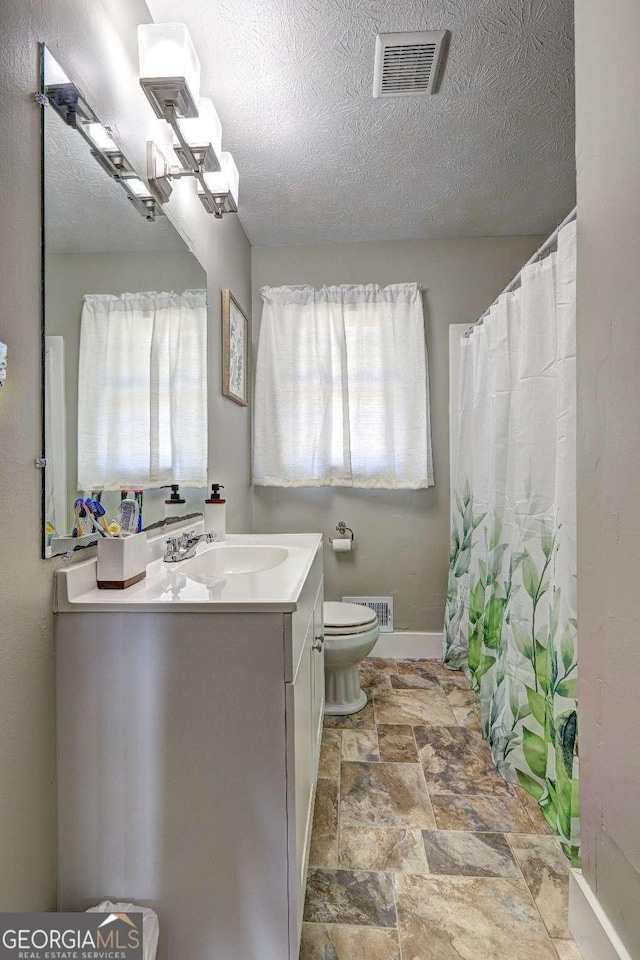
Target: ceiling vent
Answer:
[[407, 64]]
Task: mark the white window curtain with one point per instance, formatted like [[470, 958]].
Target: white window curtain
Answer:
[[342, 396], [142, 390]]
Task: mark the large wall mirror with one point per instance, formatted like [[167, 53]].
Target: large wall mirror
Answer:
[[125, 333]]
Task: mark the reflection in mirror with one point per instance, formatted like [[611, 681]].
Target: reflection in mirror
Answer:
[[125, 323]]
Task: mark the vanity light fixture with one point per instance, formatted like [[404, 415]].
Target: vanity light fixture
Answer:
[[105, 150], [141, 196], [204, 136], [169, 69], [67, 101], [223, 185], [159, 173], [101, 137], [170, 78], [70, 105]]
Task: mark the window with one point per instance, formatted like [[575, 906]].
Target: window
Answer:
[[142, 391], [342, 393]]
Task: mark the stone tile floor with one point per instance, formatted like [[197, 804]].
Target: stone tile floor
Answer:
[[420, 850]]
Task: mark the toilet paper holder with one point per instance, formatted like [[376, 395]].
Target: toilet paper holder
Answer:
[[342, 528]]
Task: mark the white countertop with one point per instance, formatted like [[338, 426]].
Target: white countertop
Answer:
[[168, 587]]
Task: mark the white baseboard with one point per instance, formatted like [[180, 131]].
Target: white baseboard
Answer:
[[592, 930], [412, 646]]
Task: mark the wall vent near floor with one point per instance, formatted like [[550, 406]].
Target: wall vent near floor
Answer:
[[383, 606], [407, 64]]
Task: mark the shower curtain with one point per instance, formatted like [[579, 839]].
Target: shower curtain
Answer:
[[510, 619]]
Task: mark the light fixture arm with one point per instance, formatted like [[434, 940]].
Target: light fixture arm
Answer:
[[194, 168], [172, 120]]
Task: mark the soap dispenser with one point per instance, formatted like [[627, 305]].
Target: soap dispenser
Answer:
[[215, 520], [175, 506]]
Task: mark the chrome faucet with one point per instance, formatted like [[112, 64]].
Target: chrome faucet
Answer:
[[184, 547]]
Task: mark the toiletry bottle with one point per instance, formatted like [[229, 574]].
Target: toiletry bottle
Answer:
[[128, 517], [215, 520], [175, 506], [137, 496]]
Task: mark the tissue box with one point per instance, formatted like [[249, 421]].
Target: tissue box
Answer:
[[122, 561]]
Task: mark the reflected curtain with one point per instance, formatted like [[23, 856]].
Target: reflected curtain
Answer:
[[510, 619], [142, 390]]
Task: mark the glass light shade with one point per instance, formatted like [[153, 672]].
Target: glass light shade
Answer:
[[137, 187], [166, 50], [203, 129], [54, 75], [101, 137], [227, 181]]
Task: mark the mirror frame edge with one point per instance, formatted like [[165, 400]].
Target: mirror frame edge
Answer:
[[43, 450]]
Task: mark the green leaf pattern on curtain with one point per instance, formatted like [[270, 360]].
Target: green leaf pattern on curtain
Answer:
[[510, 620]]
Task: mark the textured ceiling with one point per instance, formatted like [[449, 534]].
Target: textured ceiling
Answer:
[[320, 160], [85, 210]]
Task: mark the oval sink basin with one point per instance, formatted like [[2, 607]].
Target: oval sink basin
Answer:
[[225, 561]]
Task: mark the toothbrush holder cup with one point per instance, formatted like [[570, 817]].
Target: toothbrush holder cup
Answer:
[[122, 561]]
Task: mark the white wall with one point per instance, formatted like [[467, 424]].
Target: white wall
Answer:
[[608, 159], [96, 42], [402, 536]]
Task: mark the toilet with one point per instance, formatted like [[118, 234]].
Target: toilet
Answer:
[[350, 634]]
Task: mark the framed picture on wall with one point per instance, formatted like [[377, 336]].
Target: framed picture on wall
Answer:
[[236, 336]]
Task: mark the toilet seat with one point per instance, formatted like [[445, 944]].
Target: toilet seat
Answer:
[[348, 631], [345, 619]]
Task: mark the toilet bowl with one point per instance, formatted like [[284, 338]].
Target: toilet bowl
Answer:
[[350, 634]]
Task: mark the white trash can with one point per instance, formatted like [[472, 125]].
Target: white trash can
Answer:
[[150, 926]]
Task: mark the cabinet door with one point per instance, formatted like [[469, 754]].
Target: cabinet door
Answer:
[[317, 680], [305, 707], [301, 778]]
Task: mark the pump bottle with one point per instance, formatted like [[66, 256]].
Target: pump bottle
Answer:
[[175, 506], [215, 520]]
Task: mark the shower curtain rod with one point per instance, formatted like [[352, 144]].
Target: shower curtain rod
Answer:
[[536, 256]]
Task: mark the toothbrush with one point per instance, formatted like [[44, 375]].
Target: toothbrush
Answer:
[[78, 510], [99, 514], [95, 512], [87, 509]]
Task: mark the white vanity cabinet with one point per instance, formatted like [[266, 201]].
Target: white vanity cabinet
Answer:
[[304, 708], [188, 748]]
